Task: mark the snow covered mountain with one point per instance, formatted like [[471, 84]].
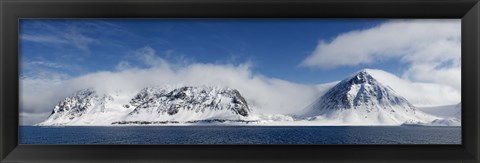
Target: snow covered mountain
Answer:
[[188, 104], [150, 105], [417, 93], [361, 99], [74, 107], [88, 107], [369, 97]]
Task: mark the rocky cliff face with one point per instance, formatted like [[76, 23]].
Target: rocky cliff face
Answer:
[[158, 104]]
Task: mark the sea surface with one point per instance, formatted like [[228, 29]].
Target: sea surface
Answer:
[[240, 135]]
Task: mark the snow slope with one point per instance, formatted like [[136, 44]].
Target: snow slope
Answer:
[[361, 99], [449, 115], [87, 107], [188, 104], [368, 97]]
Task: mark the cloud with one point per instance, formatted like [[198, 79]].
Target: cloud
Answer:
[[43, 69], [43, 39], [148, 56], [46, 64], [58, 34], [32, 118], [79, 40], [123, 65], [38, 79], [72, 38], [264, 94], [431, 48], [38, 96]]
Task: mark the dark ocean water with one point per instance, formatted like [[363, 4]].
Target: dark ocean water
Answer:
[[240, 135]]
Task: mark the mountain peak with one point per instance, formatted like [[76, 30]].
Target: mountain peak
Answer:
[[360, 77], [362, 92]]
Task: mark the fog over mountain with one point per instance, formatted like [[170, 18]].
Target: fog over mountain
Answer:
[[150, 105], [359, 99]]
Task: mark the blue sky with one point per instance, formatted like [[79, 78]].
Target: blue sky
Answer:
[[275, 48]]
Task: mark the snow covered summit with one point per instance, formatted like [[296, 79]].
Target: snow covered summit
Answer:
[[362, 99]]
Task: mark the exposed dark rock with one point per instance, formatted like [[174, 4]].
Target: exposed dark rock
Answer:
[[197, 99]]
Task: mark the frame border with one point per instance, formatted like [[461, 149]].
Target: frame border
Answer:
[[12, 10]]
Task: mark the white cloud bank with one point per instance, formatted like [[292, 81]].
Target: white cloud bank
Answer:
[[265, 95], [71, 38], [431, 48]]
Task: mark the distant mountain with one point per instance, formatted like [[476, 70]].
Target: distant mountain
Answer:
[[361, 98], [458, 113], [449, 115], [444, 111]]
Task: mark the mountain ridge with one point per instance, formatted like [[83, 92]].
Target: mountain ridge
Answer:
[[359, 99], [87, 107]]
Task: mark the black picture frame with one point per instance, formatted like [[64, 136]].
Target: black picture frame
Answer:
[[12, 10]]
